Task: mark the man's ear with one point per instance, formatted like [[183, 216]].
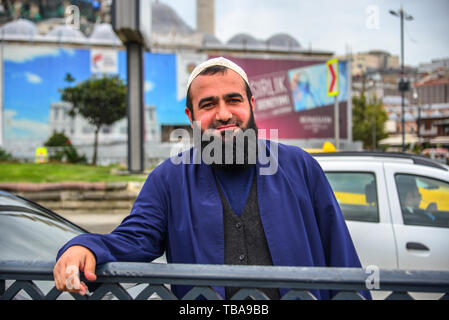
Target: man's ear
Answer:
[[190, 115], [253, 101]]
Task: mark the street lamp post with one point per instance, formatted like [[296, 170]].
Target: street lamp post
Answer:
[[374, 117], [418, 123], [403, 85]]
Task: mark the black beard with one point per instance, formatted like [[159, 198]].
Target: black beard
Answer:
[[248, 148]]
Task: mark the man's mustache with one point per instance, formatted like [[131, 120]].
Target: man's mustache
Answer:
[[217, 123]]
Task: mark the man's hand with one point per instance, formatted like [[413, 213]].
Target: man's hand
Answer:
[[73, 260]]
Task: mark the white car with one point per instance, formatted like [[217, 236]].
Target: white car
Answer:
[[396, 207], [389, 230]]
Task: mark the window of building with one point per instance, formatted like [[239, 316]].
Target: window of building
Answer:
[[88, 129]]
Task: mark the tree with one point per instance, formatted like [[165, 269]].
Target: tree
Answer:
[[100, 100], [368, 120]]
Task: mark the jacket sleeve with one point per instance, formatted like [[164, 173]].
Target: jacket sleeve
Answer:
[[141, 235], [338, 247]]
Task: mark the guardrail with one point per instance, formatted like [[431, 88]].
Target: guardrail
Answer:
[[141, 281]]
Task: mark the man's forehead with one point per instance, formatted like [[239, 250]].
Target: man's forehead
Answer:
[[218, 84], [220, 61]]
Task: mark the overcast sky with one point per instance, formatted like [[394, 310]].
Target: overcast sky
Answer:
[[339, 26]]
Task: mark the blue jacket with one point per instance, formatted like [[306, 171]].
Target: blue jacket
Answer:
[[179, 211]]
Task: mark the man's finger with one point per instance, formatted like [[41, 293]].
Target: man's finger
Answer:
[[89, 269], [90, 276], [83, 289], [72, 280], [60, 276], [56, 276]]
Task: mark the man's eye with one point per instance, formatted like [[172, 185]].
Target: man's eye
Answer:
[[234, 100], [207, 105]]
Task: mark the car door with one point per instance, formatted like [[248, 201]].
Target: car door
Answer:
[[360, 189], [422, 243]]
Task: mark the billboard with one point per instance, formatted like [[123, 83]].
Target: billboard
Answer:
[[291, 96], [33, 76]]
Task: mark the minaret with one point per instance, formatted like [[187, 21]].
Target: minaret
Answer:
[[205, 16]]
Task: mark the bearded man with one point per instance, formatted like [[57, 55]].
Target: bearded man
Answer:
[[228, 209]]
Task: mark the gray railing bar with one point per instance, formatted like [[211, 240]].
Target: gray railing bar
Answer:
[[242, 276]]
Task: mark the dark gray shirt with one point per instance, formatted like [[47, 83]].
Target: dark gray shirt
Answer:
[[245, 242]]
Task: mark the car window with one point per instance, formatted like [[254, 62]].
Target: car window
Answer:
[[356, 193], [424, 201], [32, 236]]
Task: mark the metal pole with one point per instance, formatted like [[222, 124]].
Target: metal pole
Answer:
[[1, 88], [135, 107], [349, 103], [419, 124], [373, 133], [373, 103], [402, 80], [337, 123]]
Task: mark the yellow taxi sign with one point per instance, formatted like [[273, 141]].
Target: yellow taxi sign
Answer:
[[327, 147], [332, 77]]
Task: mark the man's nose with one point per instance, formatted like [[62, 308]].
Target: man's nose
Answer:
[[223, 114]]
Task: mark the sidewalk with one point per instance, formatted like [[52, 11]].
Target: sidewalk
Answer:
[[37, 187]]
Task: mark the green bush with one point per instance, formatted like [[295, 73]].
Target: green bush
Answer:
[[61, 149], [58, 139], [5, 156], [72, 155]]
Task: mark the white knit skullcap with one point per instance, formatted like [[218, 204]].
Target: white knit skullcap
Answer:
[[217, 62]]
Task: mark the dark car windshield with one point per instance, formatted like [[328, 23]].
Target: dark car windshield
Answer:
[[30, 233]]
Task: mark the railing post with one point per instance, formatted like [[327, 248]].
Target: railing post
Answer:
[[2, 287]]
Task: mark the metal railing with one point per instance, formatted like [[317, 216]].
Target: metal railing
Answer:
[[142, 281]]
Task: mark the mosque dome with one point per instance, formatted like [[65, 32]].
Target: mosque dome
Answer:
[[165, 20], [245, 39], [209, 39], [103, 33], [18, 29], [66, 33], [283, 40]]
